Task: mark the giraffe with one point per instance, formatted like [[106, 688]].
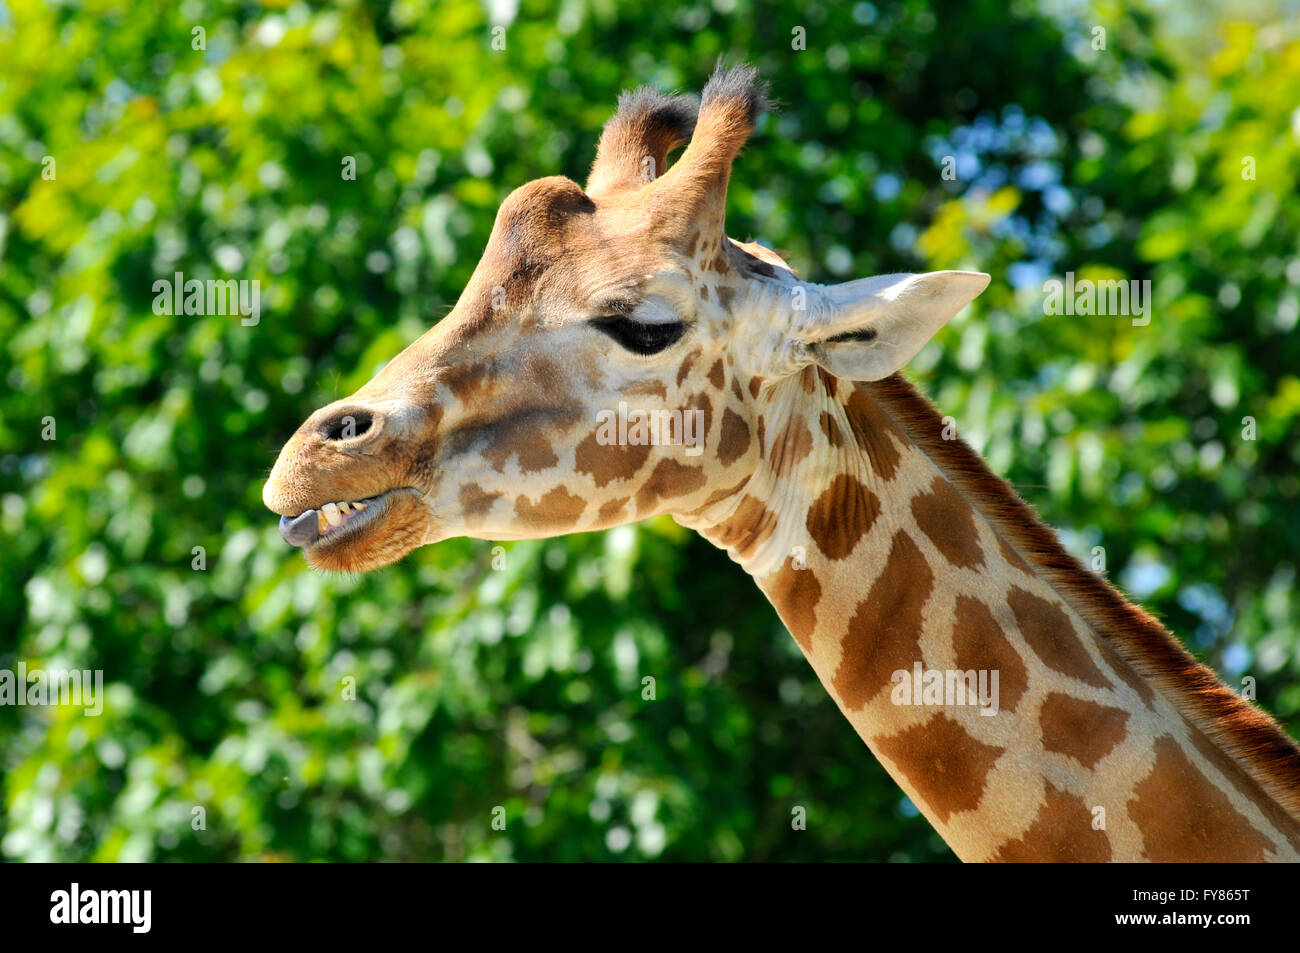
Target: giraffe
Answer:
[[889, 552]]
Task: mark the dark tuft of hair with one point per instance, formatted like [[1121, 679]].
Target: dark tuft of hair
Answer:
[[673, 114], [739, 82]]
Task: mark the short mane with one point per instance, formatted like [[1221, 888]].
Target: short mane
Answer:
[[1266, 753]]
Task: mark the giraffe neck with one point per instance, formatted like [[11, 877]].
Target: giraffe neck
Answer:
[[978, 662]]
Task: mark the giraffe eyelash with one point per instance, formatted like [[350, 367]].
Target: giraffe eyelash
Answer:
[[640, 337]]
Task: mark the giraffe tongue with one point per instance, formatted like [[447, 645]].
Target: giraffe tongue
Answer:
[[301, 530]]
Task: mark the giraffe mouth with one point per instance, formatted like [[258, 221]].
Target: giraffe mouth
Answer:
[[335, 524]]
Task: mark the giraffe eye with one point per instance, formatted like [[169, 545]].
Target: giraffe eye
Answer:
[[638, 336]]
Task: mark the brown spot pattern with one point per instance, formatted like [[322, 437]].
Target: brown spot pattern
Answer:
[[1080, 729], [685, 369], [468, 382], [1246, 787], [795, 593], [795, 445], [1183, 817], [668, 480], [527, 441], [735, 438], [612, 510], [747, 529], [832, 430], [717, 376], [949, 521], [1062, 832], [607, 462], [475, 502], [1053, 638], [556, 509], [1127, 673], [701, 403], [873, 431], [980, 643], [947, 767], [841, 516], [884, 631], [651, 388], [719, 495]]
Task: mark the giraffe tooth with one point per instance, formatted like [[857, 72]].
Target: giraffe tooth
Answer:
[[331, 513], [344, 509], [359, 506], [321, 523]]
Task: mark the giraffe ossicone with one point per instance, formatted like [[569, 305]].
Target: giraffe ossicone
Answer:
[[884, 547]]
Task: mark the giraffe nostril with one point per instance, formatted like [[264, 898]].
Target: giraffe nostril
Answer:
[[347, 426]]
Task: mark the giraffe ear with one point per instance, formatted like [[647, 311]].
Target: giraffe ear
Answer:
[[867, 329]]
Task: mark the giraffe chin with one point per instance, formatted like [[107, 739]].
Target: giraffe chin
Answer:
[[399, 523]]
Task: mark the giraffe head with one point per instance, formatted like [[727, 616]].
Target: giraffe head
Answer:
[[609, 360]]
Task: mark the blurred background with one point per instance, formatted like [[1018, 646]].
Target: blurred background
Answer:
[[1145, 142]]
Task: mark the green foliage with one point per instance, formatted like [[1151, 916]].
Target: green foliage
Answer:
[[522, 687]]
